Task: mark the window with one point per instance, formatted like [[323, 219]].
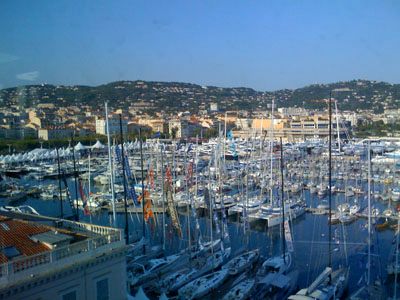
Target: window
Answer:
[[69, 296], [102, 289]]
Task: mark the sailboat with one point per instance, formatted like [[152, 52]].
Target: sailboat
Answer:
[[203, 285], [329, 284], [182, 277], [276, 277], [239, 263], [370, 290]]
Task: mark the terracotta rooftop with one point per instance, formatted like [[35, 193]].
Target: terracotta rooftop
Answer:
[[17, 233]]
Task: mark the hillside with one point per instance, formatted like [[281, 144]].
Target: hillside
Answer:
[[173, 96]]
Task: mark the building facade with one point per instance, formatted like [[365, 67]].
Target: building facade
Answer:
[[295, 128], [49, 258], [52, 133], [114, 125]]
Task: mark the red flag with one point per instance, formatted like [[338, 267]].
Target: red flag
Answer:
[[86, 209], [168, 176]]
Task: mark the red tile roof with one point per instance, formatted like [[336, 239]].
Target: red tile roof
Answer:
[[17, 233]]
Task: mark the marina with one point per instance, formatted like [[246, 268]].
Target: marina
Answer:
[[234, 204], [233, 150]]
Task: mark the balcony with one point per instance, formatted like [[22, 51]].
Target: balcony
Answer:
[[99, 240]]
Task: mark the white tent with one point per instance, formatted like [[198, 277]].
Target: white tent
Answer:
[[79, 147], [98, 145]]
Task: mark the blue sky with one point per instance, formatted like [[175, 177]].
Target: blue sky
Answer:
[[265, 45]]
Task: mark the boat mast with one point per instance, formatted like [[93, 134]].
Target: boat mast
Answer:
[[211, 212], [219, 174], [369, 213], [110, 167], [283, 206], [163, 195], [337, 125], [124, 181], [261, 131], [142, 175], [224, 141], [89, 198], [59, 185], [330, 186], [188, 202], [76, 180], [89, 190], [272, 150]]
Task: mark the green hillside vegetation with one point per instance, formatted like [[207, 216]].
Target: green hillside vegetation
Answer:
[[175, 96]]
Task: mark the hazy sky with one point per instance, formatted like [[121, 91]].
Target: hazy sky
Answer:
[[265, 45]]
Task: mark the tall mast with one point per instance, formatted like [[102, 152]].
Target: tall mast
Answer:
[[211, 212], [142, 175], [76, 180], [124, 181], [163, 195], [272, 150], [59, 185], [219, 184], [337, 125], [224, 141], [89, 198], [110, 166], [188, 202], [369, 213], [330, 185], [89, 187], [283, 206]]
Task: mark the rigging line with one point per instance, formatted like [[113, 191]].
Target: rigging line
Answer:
[[309, 264], [344, 243]]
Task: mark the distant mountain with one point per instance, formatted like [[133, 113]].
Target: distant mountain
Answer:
[[175, 96]]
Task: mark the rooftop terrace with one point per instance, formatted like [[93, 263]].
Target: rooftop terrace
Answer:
[[33, 245]]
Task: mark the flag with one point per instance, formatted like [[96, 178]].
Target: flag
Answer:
[[168, 176], [85, 205], [146, 195], [148, 212], [157, 135]]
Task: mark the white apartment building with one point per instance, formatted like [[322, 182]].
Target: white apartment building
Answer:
[[49, 258], [113, 123]]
